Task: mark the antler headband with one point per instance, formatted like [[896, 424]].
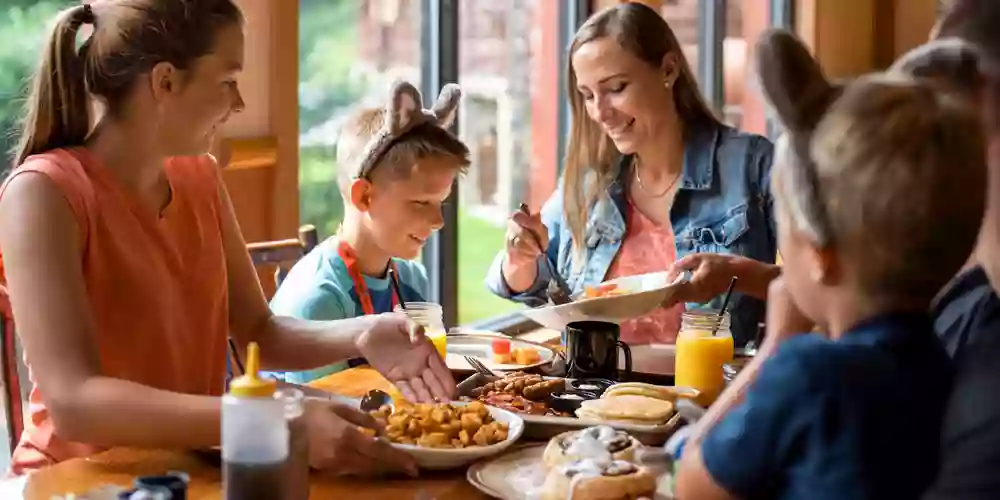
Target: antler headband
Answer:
[[404, 112]]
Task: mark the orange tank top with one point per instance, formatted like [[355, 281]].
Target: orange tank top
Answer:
[[647, 248], [156, 283]]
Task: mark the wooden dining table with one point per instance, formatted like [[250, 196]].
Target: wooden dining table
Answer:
[[120, 466]]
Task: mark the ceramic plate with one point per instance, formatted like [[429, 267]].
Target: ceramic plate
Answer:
[[520, 474], [480, 346], [450, 458], [643, 294]]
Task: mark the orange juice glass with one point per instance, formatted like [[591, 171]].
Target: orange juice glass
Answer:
[[430, 316], [700, 355]]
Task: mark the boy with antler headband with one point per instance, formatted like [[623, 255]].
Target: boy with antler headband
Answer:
[[877, 208], [396, 166]]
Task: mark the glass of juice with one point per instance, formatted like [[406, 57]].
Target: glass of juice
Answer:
[[701, 355], [431, 317]]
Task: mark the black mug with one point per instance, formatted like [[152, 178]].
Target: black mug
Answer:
[[592, 350]]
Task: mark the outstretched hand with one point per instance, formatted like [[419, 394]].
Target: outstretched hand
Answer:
[[711, 274], [398, 349]]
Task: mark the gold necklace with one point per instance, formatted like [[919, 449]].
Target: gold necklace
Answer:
[[635, 166]]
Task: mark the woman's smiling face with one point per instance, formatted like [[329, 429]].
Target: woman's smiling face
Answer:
[[625, 95]]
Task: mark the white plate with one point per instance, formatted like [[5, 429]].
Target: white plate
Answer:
[[644, 293], [520, 474], [480, 346], [447, 458]]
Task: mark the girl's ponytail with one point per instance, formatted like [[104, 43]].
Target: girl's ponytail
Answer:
[[57, 113]]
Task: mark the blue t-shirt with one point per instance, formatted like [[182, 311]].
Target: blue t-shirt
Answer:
[[856, 418], [319, 287]]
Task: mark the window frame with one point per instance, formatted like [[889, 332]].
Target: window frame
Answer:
[[711, 40]]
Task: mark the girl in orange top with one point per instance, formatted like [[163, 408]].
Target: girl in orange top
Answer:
[[125, 265]]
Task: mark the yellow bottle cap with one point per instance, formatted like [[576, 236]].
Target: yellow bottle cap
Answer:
[[250, 385]]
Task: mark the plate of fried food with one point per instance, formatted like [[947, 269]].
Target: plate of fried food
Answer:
[[594, 463], [449, 435], [553, 405], [612, 301]]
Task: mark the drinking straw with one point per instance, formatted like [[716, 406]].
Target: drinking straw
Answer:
[[725, 305], [395, 287]]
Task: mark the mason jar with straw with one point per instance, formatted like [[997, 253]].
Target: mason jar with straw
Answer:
[[431, 317], [704, 345]]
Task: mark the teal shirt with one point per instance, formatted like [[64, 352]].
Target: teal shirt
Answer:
[[319, 287]]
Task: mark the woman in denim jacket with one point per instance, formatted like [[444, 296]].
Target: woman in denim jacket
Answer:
[[652, 176]]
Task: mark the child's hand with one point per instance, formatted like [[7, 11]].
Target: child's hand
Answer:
[[784, 319], [340, 443], [398, 349]]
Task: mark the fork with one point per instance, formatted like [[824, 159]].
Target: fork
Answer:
[[558, 291], [479, 367]]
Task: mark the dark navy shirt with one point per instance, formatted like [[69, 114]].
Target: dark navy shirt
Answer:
[[968, 321], [857, 418], [966, 309]]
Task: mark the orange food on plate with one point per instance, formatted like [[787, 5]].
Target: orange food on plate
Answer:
[[606, 290], [501, 351], [525, 356]]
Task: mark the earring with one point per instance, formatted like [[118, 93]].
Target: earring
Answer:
[[666, 83]]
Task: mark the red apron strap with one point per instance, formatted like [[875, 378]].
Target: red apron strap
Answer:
[[350, 259]]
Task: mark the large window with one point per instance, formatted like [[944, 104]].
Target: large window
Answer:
[[508, 70], [508, 56], [349, 53]]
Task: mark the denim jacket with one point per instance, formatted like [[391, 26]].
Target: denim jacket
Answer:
[[723, 205]]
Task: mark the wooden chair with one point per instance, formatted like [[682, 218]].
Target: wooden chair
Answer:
[[12, 369], [283, 254]]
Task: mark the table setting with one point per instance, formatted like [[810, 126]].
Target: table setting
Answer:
[[531, 421]]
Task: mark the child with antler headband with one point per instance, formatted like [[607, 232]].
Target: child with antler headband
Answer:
[[879, 191], [396, 166]]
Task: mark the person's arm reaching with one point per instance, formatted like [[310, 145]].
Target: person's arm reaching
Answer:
[[41, 252], [712, 272]]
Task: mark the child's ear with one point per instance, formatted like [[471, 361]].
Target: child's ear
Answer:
[[360, 192], [446, 106], [824, 266], [792, 81], [405, 106]]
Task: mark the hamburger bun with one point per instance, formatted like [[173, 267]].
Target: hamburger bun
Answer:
[[597, 480], [592, 442], [628, 408]]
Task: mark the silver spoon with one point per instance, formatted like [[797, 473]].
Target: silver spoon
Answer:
[[375, 399]]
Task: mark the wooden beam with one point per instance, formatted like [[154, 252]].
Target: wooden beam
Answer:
[[284, 107]]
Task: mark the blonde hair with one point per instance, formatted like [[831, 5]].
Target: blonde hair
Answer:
[[422, 141], [887, 170], [642, 32], [130, 37]]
